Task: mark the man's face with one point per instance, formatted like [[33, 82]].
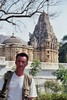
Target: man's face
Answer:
[[21, 63]]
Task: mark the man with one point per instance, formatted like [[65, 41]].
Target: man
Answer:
[[16, 85]]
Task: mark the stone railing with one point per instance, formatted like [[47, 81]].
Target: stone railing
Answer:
[[44, 65], [2, 62], [49, 66]]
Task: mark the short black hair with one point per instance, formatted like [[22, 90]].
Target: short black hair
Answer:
[[22, 55]]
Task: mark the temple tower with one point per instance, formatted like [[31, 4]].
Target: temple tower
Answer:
[[44, 41]]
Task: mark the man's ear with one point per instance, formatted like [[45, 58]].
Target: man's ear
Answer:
[[27, 63]]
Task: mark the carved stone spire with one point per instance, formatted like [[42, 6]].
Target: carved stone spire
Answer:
[[43, 30], [44, 40]]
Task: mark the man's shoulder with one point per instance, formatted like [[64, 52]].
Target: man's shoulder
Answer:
[[8, 74], [28, 78]]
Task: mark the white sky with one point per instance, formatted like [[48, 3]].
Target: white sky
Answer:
[[59, 25]]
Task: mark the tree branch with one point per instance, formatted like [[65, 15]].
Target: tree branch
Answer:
[[27, 9]]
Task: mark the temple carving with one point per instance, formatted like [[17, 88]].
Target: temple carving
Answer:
[[44, 41]]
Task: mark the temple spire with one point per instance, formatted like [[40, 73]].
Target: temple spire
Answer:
[[47, 6]]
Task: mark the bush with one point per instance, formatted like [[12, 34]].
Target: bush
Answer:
[[52, 86], [55, 96], [59, 96], [63, 96], [44, 97]]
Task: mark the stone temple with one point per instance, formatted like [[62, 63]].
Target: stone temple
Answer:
[[42, 44]]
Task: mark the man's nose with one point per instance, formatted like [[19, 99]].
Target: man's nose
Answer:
[[21, 63]]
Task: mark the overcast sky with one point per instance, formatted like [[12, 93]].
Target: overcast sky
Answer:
[[59, 25]]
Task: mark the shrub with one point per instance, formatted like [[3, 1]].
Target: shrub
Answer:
[[59, 96], [63, 97], [44, 97], [52, 86], [56, 97]]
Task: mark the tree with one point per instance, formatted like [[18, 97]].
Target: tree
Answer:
[[63, 53], [63, 50], [35, 67], [61, 75], [64, 38], [13, 9]]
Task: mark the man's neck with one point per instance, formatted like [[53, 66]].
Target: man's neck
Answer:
[[19, 73]]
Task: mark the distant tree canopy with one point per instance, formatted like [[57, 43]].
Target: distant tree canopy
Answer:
[[64, 38], [63, 50], [13, 9]]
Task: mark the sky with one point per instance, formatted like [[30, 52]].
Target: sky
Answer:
[[59, 24]]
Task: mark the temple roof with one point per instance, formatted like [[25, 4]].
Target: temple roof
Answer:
[[14, 40]]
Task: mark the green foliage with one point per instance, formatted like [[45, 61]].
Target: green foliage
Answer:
[[61, 75], [53, 86], [35, 67], [55, 96], [59, 96], [63, 50], [64, 38], [44, 97], [64, 88], [63, 53], [63, 96]]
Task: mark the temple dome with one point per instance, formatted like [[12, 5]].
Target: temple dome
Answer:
[[14, 40]]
